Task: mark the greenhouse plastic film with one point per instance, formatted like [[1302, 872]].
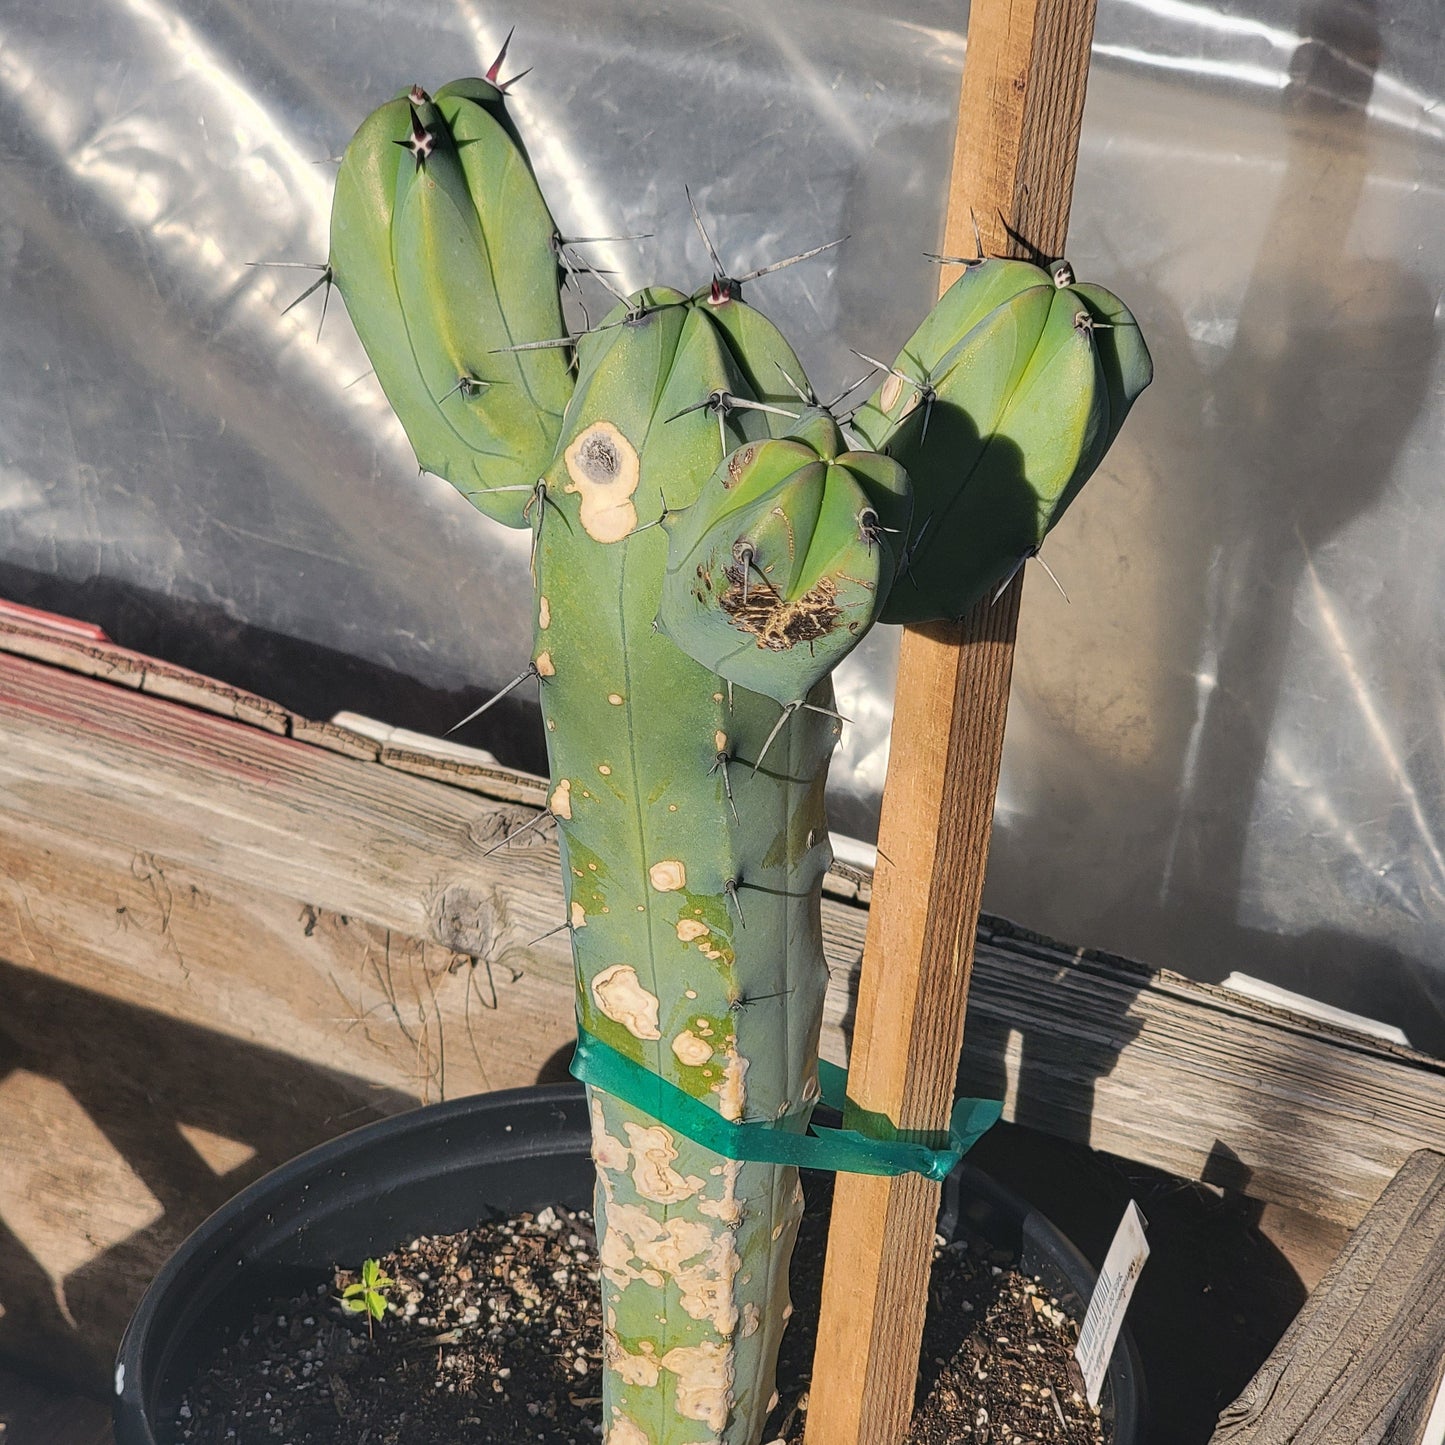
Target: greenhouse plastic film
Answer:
[[1225, 749]]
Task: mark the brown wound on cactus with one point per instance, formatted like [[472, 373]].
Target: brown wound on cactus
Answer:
[[605, 469], [774, 621], [773, 575]]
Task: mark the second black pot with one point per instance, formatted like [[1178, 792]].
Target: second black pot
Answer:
[[439, 1170]]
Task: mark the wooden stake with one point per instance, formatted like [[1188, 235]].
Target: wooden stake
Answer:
[[1013, 170]]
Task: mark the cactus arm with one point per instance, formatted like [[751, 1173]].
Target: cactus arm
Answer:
[[968, 521], [1059, 413], [982, 288], [361, 264], [464, 236], [969, 384], [1000, 428], [444, 256], [1127, 366], [522, 275]]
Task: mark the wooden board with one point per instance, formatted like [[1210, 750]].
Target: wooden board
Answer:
[[1016, 143], [283, 866], [1362, 1361], [221, 943]]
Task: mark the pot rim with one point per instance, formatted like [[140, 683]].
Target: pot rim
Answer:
[[504, 1127]]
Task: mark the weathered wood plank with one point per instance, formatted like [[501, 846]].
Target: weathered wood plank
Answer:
[[1362, 1360], [1180, 1075], [219, 944], [1194, 1079], [1016, 144], [68, 647], [148, 928]]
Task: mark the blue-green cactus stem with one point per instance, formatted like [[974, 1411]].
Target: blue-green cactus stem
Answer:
[[695, 930], [442, 248], [706, 548]]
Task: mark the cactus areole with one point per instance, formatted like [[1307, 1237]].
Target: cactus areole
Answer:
[[707, 545]]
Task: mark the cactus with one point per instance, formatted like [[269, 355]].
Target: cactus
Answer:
[[706, 548]]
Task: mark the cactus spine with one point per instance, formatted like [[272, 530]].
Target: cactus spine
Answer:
[[683, 667]]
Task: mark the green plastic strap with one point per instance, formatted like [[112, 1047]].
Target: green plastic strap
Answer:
[[772, 1142]]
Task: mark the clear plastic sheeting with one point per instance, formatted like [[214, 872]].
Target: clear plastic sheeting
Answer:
[[1225, 751]]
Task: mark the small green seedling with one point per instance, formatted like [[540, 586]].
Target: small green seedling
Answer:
[[368, 1293]]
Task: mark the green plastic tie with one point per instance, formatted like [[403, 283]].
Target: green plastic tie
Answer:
[[780, 1141]]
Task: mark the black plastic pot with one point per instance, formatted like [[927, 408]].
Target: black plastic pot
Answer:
[[439, 1170]]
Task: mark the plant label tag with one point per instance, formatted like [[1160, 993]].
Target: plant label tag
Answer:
[[1105, 1315], [1435, 1425]]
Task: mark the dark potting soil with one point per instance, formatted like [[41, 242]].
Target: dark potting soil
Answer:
[[493, 1336]]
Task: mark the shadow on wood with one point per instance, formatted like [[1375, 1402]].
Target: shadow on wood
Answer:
[[143, 1124]]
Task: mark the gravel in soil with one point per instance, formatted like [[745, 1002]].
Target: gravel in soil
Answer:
[[494, 1335]]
